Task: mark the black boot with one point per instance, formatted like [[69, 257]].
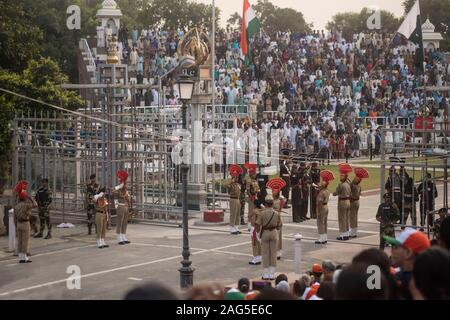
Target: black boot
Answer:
[[48, 236], [89, 229]]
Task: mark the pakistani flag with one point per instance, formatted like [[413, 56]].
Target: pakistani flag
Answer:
[[411, 28], [250, 26]]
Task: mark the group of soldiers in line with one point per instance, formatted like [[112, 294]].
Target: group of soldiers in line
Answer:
[[267, 198], [97, 212]]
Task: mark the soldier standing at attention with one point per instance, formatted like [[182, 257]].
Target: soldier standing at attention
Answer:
[[295, 179], [323, 196], [122, 197], [276, 185], [43, 198], [101, 217], [252, 193], [343, 191], [354, 200], [387, 215], [393, 187], [267, 224], [304, 182], [243, 185], [91, 191], [285, 174], [315, 180], [234, 190], [22, 213], [410, 197]]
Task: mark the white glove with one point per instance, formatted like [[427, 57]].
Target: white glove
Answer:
[[258, 237], [11, 211], [98, 196], [120, 186]]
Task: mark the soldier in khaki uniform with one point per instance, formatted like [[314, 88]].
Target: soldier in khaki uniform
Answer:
[[277, 185], [234, 190], [91, 191], [252, 191], [22, 213], [323, 195], [101, 218], [354, 200], [267, 224], [343, 191], [123, 202]]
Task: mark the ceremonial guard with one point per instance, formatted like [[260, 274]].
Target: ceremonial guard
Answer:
[[393, 187], [243, 197], [303, 184], [267, 224], [387, 214], [123, 204], [22, 214], [410, 197], [314, 174], [285, 173], [101, 217], [443, 213], [428, 193], [276, 185], [295, 179], [360, 173], [234, 190], [323, 196], [253, 191], [343, 191], [91, 190], [43, 198]]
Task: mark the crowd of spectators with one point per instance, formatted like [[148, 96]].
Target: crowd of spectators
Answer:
[[325, 92], [414, 271]]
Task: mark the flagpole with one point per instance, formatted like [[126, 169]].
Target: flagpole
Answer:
[[213, 100]]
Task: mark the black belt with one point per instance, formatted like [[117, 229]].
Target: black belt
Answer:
[[23, 220], [324, 204], [344, 199], [353, 200], [234, 198], [270, 229]]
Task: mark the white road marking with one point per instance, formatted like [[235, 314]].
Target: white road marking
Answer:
[[135, 279], [334, 229], [46, 284]]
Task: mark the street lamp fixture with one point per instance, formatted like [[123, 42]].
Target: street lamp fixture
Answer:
[[186, 89]]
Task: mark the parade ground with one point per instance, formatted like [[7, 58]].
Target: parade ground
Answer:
[[155, 255]]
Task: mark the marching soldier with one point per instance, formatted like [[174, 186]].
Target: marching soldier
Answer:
[[91, 191], [122, 197], [387, 214], [22, 214], [243, 197], [234, 190], [276, 185], [315, 180], [410, 197], [428, 193], [253, 191], [43, 198], [101, 217], [354, 200], [343, 191], [285, 174], [267, 224], [323, 196], [303, 184]]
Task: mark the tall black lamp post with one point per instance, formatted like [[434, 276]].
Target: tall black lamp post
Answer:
[[185, 89]]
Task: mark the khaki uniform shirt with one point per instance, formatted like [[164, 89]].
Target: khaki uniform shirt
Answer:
[[322, 198], [343, 190], [22, 210], [264, 217], [355, 191]]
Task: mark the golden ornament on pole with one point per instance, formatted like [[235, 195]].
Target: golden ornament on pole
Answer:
[[193, 47], [113, 55]]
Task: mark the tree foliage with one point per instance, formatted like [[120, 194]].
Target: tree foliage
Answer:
[[235, 20], [275, 19], [353, 22]]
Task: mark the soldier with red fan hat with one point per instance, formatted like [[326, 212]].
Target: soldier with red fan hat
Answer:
[[323, 195], [343, 191], [252, 191], [360, 173], [234, 190], [123, 204], [22, 214], [101, 217], [277, 185]]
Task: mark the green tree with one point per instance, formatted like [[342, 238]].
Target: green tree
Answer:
[[235, 20], [274, 19], [353, 22]]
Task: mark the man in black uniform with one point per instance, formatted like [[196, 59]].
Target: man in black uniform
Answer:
[[393, 187], [91, 190], [44, 199], [295, 179], [314, 174], [387, 214], [428, 193], [303, 185], [410, 196], [285, 174], [262, 182]]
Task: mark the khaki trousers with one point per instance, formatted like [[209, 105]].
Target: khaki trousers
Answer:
[[235, 211], [354, 208], [322, 220], [343, 215], [269, 241], [251, 216], [23, 237], [100, 222], [122, 219]]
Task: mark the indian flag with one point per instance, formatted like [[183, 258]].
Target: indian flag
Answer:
[[250, 26], [411, 28]]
